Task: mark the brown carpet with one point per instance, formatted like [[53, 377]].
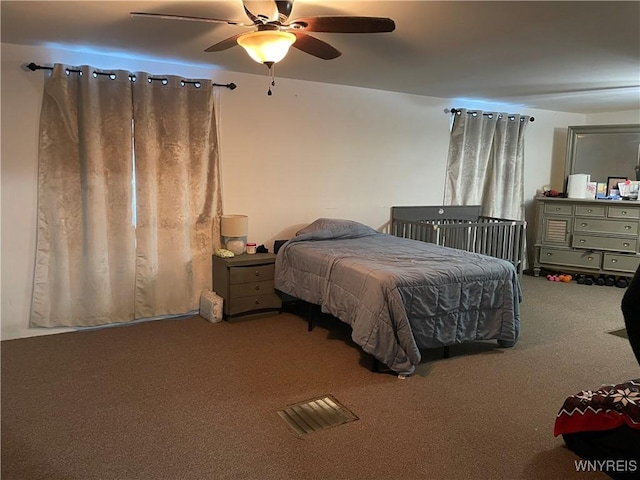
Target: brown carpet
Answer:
[[187, 399]]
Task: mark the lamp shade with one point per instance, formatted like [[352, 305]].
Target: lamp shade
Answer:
[[267, 46], [234, 225]]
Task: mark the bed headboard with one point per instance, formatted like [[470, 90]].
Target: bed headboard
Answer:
[[449, 212]]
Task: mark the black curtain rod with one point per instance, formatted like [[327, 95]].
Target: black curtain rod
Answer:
[[472, 112], [33, 67]]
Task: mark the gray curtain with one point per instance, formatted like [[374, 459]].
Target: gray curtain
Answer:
[[124, 236], [84, 273], [485, 163]]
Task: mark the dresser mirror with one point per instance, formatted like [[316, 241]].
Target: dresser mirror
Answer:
[[603, 151]]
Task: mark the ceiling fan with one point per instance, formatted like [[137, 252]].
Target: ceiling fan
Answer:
[[273, 33]]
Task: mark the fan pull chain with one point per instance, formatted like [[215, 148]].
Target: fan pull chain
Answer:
[[273, 78]]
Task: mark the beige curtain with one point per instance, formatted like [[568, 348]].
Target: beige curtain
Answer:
[[84, 273], [486, 163], [177, 193], [124, 234]]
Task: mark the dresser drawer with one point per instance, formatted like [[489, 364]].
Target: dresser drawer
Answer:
[[605, 226], [604, 243], [623, 212], [254, 303], [248, 274], [251, 288], [558, 209], [575, 258], [622, 263], [591, 211]]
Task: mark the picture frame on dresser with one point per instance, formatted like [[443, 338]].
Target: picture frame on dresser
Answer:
[[612, 183]]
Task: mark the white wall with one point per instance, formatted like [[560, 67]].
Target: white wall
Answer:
[[619, 118], [309, 150]]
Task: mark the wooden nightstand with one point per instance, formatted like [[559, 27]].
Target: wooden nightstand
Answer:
[[245, 282]]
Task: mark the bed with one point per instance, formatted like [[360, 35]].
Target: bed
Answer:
[[400, 295]]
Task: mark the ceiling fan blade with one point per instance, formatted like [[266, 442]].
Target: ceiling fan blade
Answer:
[[315, 47], [224, 44], [344, 24], [191, 19]]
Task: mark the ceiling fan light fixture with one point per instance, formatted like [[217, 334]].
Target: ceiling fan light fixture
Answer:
[[268, 46]]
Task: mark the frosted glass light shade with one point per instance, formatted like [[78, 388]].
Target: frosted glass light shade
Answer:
[[268, 46]]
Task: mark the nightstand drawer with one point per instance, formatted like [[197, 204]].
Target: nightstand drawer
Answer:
[[254, 303], [604, 243], [252, 288], [622, 263], [250, 273], [576, 258]]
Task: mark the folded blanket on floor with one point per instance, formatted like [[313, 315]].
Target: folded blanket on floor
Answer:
[[607, 408]]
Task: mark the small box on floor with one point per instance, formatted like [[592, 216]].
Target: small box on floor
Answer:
[[211, 306]]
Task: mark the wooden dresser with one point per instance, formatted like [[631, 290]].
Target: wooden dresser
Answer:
[[245, 282], [587, 236]]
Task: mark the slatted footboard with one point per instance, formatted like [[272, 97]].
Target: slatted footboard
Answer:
[[462, 227]]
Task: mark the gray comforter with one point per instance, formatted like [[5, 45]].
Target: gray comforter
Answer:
[[400, 295]]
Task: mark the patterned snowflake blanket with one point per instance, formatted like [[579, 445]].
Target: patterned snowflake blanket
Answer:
[[607, 408]]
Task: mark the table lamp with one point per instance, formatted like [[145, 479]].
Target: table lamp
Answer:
[[234, 230]]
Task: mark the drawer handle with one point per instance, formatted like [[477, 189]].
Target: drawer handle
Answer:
[[558, 209], [257, 302], [625, 244], [623, 212], [589, 211], [549, 254], [583, 241], [257, 273], [627, 227], [614, 260], [589, 258], [257, 287], [583, 224]]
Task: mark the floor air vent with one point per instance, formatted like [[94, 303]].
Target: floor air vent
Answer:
[[319, 414]]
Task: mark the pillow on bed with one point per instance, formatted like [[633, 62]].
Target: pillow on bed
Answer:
[[325, 228]]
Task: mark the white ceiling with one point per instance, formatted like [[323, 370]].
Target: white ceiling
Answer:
[[574, 56]]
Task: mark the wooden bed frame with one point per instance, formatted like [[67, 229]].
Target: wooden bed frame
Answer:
[[463, 228]]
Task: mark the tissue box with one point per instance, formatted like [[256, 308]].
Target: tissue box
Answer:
[[211, 306]]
